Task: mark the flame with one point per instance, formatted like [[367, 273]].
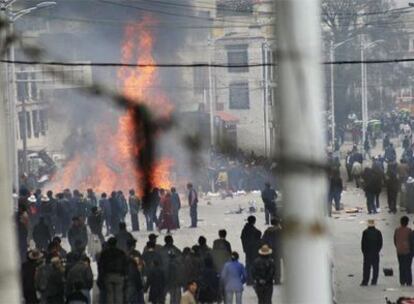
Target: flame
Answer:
[[112, 166]]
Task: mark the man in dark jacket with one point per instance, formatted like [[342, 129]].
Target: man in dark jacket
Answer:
[[95, 222], [269, 197], [393, 186], [76, 232], [263, 271], [371, 245], [122, 237], [28, 272], [221, 252], [105, 206], [176, 206], [41, 235], [250, 238], [192, 202], [335, 190], [273, 237], [112, 268], [134, 206], [370, 189], [115, 212], [80, 274]]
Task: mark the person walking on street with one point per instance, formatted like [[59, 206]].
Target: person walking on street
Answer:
[[402, 244], [250, 238], [233, 277], [134, 206], [273, 237], [263, 272], [192, 202], [335, 190], [269, 197], [371, 245]]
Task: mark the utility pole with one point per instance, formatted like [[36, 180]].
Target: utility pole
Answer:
[[332, 59], [363, 92], [211, 104], [302, 144], [265, 97], [9, 286]]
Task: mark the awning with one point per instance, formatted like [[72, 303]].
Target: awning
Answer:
[[227, 117]]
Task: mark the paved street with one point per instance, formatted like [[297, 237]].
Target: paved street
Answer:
[[346, 230]]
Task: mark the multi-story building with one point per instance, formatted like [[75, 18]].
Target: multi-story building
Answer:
[[239, 96]]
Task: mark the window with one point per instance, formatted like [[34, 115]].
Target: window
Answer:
[[237, 55], [33, 87], [22, 86], [28, 125], [234, 7], [200, 79], [36, 123], [43, 121], [239, 96], [21, 126]]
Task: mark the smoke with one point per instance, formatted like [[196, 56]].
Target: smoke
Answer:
[[92, 31]]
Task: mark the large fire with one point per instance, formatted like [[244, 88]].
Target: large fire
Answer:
[[112, 165]]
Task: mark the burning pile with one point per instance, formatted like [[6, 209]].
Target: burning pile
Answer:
[[111, 164]]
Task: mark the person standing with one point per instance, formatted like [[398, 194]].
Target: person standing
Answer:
[[134, 205], [402, 244], [393, 186], [176, 206], [250, 238], [78, 234], [105, 206], [112, 268], [335, 190], [263, 271], [41, 234], [371, 245], [221, 252], [192, 202], [95, 223], [273, 237], [269, 197], [80, 274], [123, 237], [233, 276]]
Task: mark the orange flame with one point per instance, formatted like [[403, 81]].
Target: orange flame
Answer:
[[112, 168]]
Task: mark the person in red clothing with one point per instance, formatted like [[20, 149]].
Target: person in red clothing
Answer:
[[402, 244], [166, 216]]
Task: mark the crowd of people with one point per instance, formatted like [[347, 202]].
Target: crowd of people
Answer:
[[96, 231], [237, 172]]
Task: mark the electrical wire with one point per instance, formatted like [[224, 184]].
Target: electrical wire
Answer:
[[192, 65]]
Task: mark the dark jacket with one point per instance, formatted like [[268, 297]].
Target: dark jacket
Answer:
[[371, 242], [221, 253], [41, 235], [122, 238], [209, 284], [272, 237], [82, 273], [155, 284], [112, 260], [263, 270], [28, 273], [95, 222], [134, 204], [250, 238], [78, 233]]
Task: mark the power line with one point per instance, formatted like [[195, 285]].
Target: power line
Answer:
[[192, 65]]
